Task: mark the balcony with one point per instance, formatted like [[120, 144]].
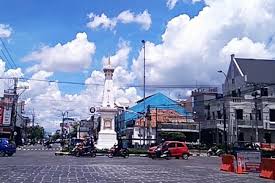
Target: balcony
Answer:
[[218, 123], [184, 127], [249, 123]]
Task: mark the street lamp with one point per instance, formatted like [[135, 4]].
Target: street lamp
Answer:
[[224, 118], [143, 42]]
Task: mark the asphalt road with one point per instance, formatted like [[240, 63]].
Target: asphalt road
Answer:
[[43, 166]]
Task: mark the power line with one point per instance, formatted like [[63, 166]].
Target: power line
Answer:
[[6, 59], [8, 64], [3, 43]]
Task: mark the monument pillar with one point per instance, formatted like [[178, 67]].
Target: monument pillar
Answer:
[[107, 136]]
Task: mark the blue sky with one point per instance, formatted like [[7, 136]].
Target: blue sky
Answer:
[[35, 23]]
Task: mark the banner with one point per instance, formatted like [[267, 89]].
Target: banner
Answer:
[[7, 116], [250, 159]]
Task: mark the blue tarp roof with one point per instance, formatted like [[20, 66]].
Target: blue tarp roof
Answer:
[[157, 100]]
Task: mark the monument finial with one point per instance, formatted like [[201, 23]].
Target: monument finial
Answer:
[[109, 61]]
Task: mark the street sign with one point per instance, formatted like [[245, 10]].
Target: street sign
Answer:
[[92, 110]]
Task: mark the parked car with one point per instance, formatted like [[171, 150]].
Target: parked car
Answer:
[[6, 147], [170, 148]]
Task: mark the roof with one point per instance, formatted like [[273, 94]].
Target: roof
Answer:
[[157, 100], [257, 70]]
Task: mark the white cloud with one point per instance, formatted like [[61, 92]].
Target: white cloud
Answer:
[[71, 56], [144, 19], [193, 49], [172, 3], [246, 48], [101, 21], [47, 99], [125, 17], [5, 31], [14, 73]]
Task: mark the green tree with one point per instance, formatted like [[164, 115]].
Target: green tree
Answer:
[[173, 136], [35, 133]]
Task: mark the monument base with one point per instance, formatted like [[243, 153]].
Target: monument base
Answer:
[[106, 139]]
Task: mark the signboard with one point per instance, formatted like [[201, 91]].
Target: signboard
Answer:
[[250, 159], [1, 115], [7, 116], [92, 110]]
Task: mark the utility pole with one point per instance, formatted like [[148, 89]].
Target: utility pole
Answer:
[[33, 116], [62, 127], [14, 109], [144, 125], [224, 127], [256, 113], [156, 125]]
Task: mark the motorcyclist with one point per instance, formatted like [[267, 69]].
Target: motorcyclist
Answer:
[[116, 149]]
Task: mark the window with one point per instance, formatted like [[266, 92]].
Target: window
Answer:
[[234, 93], [219, 114], [213, 114], [171, 145], [271, 114], [239, 114], [259, 115], [179, 145], [264, 91], [233, 81], [239, 92], [251, 118]]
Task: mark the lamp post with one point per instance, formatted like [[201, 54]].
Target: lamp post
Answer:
[[224, 118], [144, 107]]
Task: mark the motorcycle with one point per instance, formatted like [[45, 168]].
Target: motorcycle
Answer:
[[115, 152], [80, 150], [48, 144], [215, 151]]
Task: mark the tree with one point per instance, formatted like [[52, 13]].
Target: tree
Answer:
[[174, 136], [35, 133]]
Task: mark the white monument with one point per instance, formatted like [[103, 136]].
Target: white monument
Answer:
[[107, 136]]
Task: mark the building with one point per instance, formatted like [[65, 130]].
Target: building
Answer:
[[6, 125], [248, 101], [143, 123]]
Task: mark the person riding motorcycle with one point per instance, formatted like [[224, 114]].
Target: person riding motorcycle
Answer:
[[161, 148]]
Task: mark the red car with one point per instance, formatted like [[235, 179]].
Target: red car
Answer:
[[175, 149]]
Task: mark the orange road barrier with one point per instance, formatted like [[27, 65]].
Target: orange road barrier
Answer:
[[240, 166], [227, 163], [268, 168]]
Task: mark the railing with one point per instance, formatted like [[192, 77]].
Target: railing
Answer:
[[249, 123], [212, 123], [219, 123], [179, 126]]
